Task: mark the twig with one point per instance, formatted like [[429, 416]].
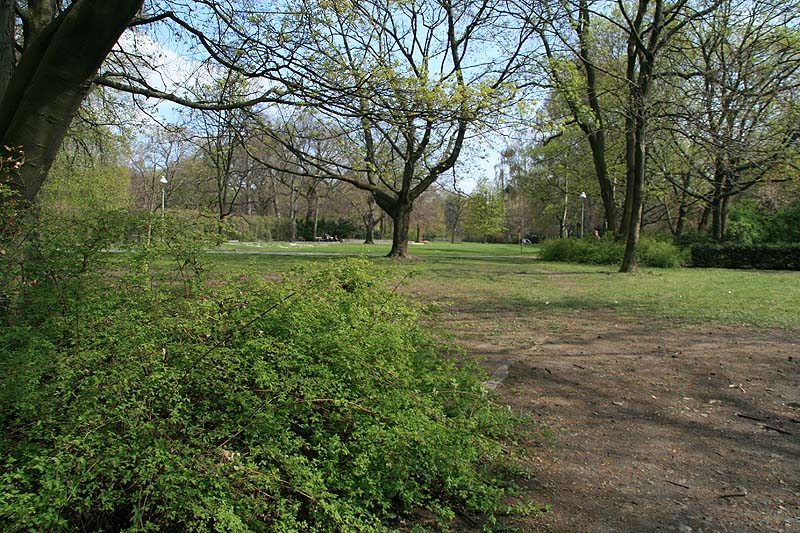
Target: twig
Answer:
[[678, 484], [740, 415], [779, 430]]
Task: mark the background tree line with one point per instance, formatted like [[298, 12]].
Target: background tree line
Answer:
[[663, 112]]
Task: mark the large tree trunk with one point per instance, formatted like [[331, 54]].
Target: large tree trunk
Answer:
[[51, 80], [401, 216], [720, 203]]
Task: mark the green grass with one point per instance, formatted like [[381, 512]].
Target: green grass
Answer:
[[338, 248], [526, 287]]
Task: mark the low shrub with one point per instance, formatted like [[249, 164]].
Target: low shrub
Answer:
[[759, 256], [660, 254], [314, 404], [606, 251]]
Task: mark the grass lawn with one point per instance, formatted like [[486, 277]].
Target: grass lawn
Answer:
[[351, 248], [519, 285]]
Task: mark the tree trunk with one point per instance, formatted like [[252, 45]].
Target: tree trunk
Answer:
[[703, 222], [680, 224], [369, 221], [7, 58], [51, 81], [292, 228], [596, 127], [369, 224], [401, 216], [312, 210], [683, 209], [723, 216], [636, 186], [630, 185], [716, 219], [597, 141], [720, 203]]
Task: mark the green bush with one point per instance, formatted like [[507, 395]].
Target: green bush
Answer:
[[606, 251], [784, 226], [314, 404], [759, 256], [746, 223], [749, 224], [660, 254]]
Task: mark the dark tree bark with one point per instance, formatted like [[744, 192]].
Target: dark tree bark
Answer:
[[52, 79], [402, 226], [7, 53], [399, 211], [639, 69]]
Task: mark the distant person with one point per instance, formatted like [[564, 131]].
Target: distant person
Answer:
[[596, 232]]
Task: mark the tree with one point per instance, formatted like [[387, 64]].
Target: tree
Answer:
[[575, 75], [220, 136], [401, 83], [91, 175], [733, 125], [485, 212], [649, 29], [61, 51]]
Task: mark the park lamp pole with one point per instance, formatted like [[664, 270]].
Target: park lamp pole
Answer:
[[163, 195], [583, 201]]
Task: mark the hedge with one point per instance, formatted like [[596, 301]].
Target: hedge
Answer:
[[759, 256]]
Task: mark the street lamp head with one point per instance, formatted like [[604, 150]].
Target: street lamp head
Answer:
[[163, 180], [583, 196]]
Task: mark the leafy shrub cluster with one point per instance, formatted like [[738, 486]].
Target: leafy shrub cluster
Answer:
[[314, 404], [760, 256], [748, 224], [651, 253]]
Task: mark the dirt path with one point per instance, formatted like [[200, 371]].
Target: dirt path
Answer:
[[655, 428]]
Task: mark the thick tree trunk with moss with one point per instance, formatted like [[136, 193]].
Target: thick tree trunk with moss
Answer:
[[51, 80]]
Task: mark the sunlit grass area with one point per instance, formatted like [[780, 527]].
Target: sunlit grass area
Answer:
[[381, 249], [522, 286]]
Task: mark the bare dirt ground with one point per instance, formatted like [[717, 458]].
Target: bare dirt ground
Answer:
[[654, 427]]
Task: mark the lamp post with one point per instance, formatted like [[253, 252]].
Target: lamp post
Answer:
[[163, 195], [583, 202]]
